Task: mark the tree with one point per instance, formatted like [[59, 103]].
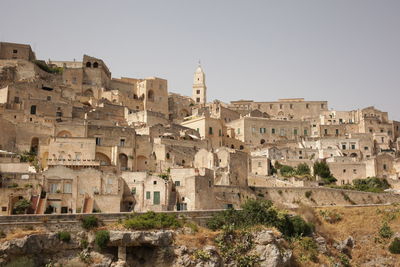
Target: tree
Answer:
[[303, 169], [322, 170], [21, 206]]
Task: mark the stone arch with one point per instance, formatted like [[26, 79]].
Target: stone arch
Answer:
[[64, 133], [34, 145], [353, 155], [150, 95], [262, 141], [88, 64], [123, 162], [95, 65], [103, 159], [88, 92], [141, 163]]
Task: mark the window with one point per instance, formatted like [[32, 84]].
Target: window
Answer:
[[53, 188], [67, 188], [344, 170], [295, 131], [15, 51], [325, 131], [33, 109], [133, 191], [353, 146], [343, 146], [147, 195], [154, 182], [198, 92], [270, 106], [253, 129], [181, 206], [384, 166], [210, 130], [16, 100], [238, 130], [337, 131], [305, 132], [365, 148], [177, 183], [98, 141], [198, 100], [354, 171], [3, 208], [307, 105], [95, 65], [273, 130], [122, 142]]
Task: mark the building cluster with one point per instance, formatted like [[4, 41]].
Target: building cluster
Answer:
[[73, 139]]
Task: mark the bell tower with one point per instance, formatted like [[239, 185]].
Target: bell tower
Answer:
[[199, 86]]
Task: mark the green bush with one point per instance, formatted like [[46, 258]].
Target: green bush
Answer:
[[152, 220], [84, 243], [287, 170], [303, 169], [42, 65], [394, 247], [101, 239], [21, 206], [64, 236], [90, 222], [309, 249], [330, 216], [322, 170], [385, 231], [261, 212]]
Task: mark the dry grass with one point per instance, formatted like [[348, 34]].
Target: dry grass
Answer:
[[363, 224], [199, 239], [19, 233]]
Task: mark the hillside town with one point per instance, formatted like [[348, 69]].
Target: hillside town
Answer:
[[74, 139]]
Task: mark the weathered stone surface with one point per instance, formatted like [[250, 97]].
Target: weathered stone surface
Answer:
[[138, 238]]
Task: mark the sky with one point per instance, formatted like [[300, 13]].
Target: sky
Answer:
[[344, 51]]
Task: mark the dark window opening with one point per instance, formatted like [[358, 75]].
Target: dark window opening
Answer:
[[33, 110], [88, 65], [95, 65]]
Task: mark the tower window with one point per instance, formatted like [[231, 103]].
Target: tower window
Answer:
[[198, 100], [15, 51], [198, 92]]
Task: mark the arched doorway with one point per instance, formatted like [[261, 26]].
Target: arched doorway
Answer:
[[123, 162], [34, 145], [103, 159], [64, 134]]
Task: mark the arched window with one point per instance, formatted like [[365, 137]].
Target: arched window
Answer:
[[95, 65], [262, 141], [88, 65], [123, 162], [150, 95], [241, 147]]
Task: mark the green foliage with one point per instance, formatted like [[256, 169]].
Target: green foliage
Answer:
[[21, 261], [42, 65], [322, 170], [152, 220], [192, 226], [394, 247], [234, 246], [84, 243], [261, 212], [64, 236], [202, 255], [330, 216], [385, 231], [287, 171], [309, 249], [303, 169], [370, 184], [84, 256], [90, 222], [344, 260], [21, 206], [308, 194], [164, 176], [101, 239]]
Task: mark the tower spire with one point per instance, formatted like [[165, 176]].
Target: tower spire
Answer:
[[199, 86]]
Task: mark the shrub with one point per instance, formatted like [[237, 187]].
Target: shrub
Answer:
[[42, 65], [21, 206], [64, 236], [394, 247], [309, 249], [322, 170], [84, 243], [202, 255], [330, 216], [90, 222], [261, 212], [385, 231], [152, 220], [102, 238], [303, 169], [371, 184], [287, 170], [308, 194]]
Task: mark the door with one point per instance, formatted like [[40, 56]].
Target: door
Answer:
[[156, 198]]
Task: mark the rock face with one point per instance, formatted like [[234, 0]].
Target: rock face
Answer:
[[134, 248]]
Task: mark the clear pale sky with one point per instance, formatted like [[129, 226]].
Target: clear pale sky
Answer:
[[343, 51]]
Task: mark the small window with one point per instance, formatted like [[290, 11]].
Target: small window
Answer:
[[98, 141], [177, 183], [307, 105], [148, 195], [122, 142], [95, 65], [326, 131], [353, 146], [280, 106], [16, 100], [15, 51], [198, 100], [33, 109], [259, 164], [384, 166], [154, 182], [273, 131], [295, 131], [343, 146], [198, 92], [305, 132], [210, 130], [3, 208], [365, 148]]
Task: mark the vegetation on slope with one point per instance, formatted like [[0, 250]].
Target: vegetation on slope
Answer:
[[370, 184]]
